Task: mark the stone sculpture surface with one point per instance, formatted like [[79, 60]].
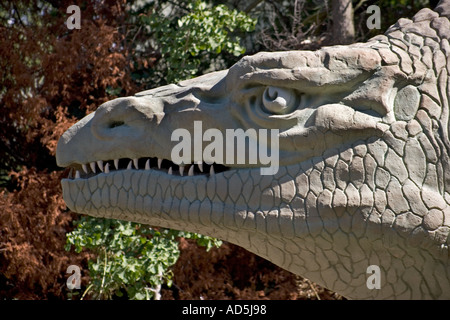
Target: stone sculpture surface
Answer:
[[364, 166]]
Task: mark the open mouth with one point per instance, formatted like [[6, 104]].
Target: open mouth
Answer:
[[94, 168]]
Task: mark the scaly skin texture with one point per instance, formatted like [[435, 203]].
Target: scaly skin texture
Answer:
[[364, 168]]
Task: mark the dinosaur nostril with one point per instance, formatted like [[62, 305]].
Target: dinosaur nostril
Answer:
[[116, 124], [124, 117]]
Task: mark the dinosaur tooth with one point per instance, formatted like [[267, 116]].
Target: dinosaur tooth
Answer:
[[211, 170], [116, 164], [92, 164], [129, 165], [136, 164], [169, 171], [191, 171], [147, 165], [84, 168], [159, 163], [107, 168], [181, 170], [100, 165], [77, 174], [200, 166]]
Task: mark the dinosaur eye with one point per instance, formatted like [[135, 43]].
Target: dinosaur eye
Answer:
[[278, 100]]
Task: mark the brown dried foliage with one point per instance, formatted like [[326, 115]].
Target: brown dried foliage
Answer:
[[33, 226]]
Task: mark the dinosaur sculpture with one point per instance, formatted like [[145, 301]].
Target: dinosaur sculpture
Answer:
[[364, 166]]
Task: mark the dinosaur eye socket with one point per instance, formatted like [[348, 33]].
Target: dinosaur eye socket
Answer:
[[278, 100]]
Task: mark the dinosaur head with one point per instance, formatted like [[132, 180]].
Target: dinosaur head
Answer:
[[358, 144]]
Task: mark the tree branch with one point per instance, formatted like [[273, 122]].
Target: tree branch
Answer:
[[252, 5]]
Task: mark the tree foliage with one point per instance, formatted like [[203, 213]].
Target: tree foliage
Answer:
[[130, 258], [203, 30], [185, 39]]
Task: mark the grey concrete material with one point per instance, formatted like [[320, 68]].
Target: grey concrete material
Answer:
[[363, 150]]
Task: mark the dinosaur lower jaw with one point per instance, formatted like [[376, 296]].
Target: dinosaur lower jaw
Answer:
[[154, 197], [94, 168]]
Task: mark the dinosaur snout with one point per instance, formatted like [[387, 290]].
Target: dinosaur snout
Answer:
[[117, 127], [125, 117]]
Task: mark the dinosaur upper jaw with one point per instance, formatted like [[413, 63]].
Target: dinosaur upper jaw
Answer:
[[322, 83], [91, 169], [348, 127], [94, 145]]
